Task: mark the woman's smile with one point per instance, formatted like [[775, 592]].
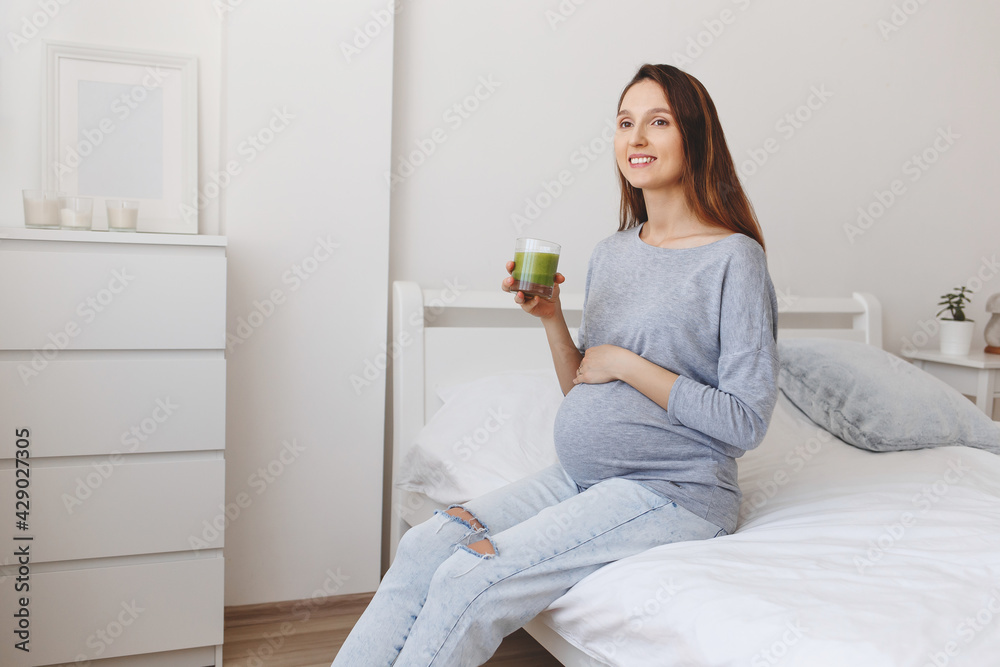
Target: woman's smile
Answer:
[[640, 160]]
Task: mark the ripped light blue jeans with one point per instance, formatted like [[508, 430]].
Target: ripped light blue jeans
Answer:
[[443, 604]]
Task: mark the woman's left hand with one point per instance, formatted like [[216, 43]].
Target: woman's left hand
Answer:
[[601, 364]]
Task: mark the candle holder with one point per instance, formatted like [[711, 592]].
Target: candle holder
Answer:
[[76, 212], [123, 214], [41, 209]]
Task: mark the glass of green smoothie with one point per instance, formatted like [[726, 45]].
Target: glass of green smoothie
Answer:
[[535, 264]]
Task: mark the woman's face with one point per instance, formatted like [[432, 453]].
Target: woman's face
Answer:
[[648, 145]]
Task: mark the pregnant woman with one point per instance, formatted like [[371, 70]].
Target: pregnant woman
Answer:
[[674, 378]]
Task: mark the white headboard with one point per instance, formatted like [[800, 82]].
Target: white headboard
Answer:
[[442, 338]]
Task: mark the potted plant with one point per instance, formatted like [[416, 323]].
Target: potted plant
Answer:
[[956, 331]]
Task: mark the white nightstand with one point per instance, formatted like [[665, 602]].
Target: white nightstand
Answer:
[[974, 374]]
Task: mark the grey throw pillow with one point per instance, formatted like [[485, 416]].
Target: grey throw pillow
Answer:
[[874, 400]]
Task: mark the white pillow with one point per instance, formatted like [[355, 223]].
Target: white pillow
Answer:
[[491, 431]]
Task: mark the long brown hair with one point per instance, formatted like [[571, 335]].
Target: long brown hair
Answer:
[[709, 179]]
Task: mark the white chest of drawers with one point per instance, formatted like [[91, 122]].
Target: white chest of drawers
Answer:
[[113, 378]]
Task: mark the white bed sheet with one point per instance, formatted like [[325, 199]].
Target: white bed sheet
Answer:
[[842, 557]]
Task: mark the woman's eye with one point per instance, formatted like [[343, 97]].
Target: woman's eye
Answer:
[[660, 120], [624, 123]]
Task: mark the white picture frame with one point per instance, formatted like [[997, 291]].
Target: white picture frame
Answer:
[[124, 124]]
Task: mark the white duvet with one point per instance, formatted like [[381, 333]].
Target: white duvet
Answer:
[[842, 557]]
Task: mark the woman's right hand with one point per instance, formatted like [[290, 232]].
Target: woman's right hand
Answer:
[[535, 305]]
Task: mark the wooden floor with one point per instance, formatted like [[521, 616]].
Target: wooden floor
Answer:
[[308, 633]]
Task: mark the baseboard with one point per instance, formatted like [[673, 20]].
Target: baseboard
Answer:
[[252, 614]]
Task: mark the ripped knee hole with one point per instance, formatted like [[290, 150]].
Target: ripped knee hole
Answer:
[[483, 547], [462, 513]]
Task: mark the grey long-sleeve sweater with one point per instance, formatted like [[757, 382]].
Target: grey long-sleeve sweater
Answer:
[[708, 314]]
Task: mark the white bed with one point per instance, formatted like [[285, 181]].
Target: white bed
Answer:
[[842, 556]]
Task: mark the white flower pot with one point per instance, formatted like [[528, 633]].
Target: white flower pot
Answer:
[[956, 337]]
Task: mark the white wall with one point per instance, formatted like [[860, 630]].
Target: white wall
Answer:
[[890, 96], [314, 524], [179, 26]]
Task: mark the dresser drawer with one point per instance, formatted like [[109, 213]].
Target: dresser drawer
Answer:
[[109, 509], [126, 405], [122, 300], [188, 657], [96, 613]]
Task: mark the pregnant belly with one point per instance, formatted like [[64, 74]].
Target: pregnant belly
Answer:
[[609, 430]]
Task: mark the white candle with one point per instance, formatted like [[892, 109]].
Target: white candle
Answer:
[[122, 218], [70, 219], [34, 212], [41, 213]]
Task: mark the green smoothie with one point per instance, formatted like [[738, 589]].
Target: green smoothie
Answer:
[[535, 272]]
